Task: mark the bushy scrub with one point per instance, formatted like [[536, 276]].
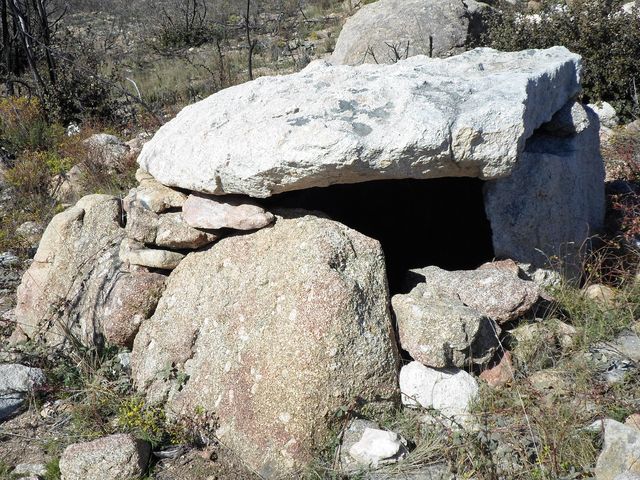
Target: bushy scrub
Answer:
[[607, 38]]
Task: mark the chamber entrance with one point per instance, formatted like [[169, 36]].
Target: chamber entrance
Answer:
[[438, 222]]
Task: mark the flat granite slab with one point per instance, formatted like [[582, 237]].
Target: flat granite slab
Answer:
[[464, 116]]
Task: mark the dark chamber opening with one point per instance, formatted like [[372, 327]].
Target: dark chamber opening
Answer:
[[438, 222]]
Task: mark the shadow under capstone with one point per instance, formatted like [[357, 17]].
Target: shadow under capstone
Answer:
[[438, 222]]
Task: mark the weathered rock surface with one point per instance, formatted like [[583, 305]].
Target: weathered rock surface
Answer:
[[552, 201], [378, 447], [601, 294], [440, 331], [449, 391], [239, 213], [76, 263], [16, 382], [500, 295], [620, 452], [438, 471], [390, 30], [272, 332], [467, 115], [606, 114], [132, 300], [107, 150], [116, 457], [168, 230], [135, 253], [153, 195]]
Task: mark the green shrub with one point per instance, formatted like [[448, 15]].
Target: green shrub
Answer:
[[23, 126], [607, 39]]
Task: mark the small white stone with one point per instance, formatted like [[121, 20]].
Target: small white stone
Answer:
[[449, 391], [378, 447]]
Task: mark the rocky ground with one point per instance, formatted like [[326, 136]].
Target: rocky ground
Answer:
[[114, 363]]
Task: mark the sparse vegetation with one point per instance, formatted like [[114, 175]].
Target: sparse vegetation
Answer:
[[525, 431]]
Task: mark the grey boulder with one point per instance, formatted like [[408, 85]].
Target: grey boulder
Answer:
[[390, 30], [116, 457], [552, 202], [501, 295], [273, 332], [442, 331], [64, 290], [16, 382]]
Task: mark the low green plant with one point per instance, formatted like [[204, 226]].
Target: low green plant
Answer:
[[52, 468]]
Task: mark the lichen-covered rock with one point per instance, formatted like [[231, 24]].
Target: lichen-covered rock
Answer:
[[390, 30], [465, 116], [76, 263], [272, 332], [501, 295], [132, 300], [442, 331], [116, 457]]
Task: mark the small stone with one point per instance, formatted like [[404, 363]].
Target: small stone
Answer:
[[174, 232], [499, 295], [378, 447], [131, 300], [116, 457], [550, 381], [235, 212], [166, 230], [501, 373], [352, 435], [30, 232], [443, 332], [449, 391], [30, 469], [601, 294], [543, 277], [154, 196], [124, 359], [136, 254], [606, 113], [16, 381], [620, 452]]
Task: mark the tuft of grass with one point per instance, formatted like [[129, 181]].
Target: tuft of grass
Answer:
[[53, 469]]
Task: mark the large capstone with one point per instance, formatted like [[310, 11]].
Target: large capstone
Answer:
[[271, 333], [465, 116]]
